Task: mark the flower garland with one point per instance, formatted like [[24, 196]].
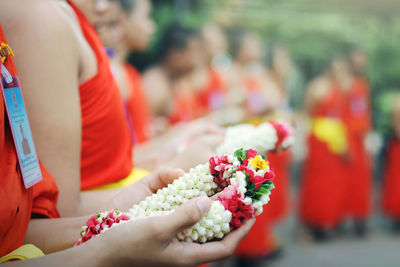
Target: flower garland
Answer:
[[265, 137], [244, 177]]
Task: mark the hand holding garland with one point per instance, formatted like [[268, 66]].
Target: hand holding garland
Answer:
[[244, 178]]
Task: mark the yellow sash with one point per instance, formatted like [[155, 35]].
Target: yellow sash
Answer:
[[135, 175], [332, 132], [27, 251]]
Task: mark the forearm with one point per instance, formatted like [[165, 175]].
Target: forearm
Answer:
[[101, 200], [87, 255], [52, 235]]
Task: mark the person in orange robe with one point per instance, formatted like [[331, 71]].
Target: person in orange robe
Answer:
[[246, 77], [279, 67], [323, 190], [129, 27], [170, 94], [262, 234], [358, 120], [391, 184], [89, 132], [207, 78], [17, 202]]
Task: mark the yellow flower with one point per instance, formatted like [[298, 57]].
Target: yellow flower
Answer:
[[259, 163]]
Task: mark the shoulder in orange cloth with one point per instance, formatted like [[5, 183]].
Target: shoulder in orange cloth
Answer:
[[137, 105], [324, 177], [391, 187], [358, 121], [106, 152], [16, 202], [213, 95]]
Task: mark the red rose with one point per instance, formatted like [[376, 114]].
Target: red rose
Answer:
[[257, 180], [251, 153], [269, 176], [240, 211]]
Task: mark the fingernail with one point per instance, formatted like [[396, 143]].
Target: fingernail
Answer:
[[204, 204]]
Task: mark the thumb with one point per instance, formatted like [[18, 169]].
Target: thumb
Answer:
[[187, 215]]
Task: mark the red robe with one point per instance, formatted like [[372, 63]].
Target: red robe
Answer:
[[137, 105], [17, 203], [323, 191], [106, 149], [391, 186], [279, 204], [358, 121], [260, 240]]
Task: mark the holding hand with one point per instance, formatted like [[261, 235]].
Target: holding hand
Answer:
[[152, 241]]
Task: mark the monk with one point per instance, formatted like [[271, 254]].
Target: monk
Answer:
[[323, 193], [207, 78], [246, 78], [268, 245], [358, 120], [169, 93], [20, 204], [127, 26], [391, 185]]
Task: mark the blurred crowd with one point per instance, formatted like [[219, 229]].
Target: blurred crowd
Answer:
[[202, 80]]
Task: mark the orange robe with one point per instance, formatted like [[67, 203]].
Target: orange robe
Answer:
[[358, 121], [186, 106], [106, 149], [391, 186], [260, 240], [323, 191], [17, 203], [213, 95], [279, 204], [137, 105]]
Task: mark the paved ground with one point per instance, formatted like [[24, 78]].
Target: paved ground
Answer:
[[380, 249]]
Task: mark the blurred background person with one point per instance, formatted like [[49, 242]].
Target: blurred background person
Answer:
[[268, 245], [391, 186], [246, 77], [149, 154], [324, 184], [359, 121], [170, 96], [207, 78]]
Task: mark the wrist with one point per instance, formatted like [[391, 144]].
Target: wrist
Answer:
[[99, 253]]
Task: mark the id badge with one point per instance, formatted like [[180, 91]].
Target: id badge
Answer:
[[21, 131]]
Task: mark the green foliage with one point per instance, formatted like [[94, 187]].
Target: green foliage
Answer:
[[257, 194], [240, 154]]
